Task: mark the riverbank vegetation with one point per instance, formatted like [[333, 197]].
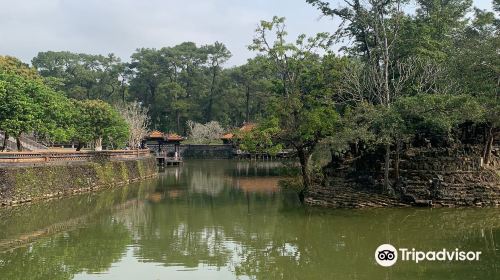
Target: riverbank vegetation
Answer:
[[401, 81], [392, 76]]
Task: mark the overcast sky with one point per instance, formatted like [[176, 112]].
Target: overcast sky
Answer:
[[121, 26]]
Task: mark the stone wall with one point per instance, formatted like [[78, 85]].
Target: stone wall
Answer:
[[207, 151], [432, 177], [29, 183], [461, 180]]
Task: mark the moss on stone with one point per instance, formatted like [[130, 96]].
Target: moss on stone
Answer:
[[36, 182]]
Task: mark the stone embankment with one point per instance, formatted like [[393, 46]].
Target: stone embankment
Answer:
[[21, 184], [207, 151], [433, 177]]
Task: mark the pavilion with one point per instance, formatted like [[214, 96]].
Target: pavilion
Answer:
[[163, 144]]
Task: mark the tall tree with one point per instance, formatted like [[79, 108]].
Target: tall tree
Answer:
[[475, 64], [82, 76], [252, 80], [29, 105], [304, 112], [217, 55], [374, 27]]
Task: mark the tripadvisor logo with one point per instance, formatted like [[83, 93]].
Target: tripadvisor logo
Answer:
[[387, 255]]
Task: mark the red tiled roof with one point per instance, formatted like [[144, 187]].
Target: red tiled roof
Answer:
[[245, 128], [174, 137], [156, 134], [248, 127], [169, 137], [228, 136]]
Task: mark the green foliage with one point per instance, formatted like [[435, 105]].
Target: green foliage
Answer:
[[18, 112], [96, 120], [438, 113], [402, 74], [14, 66], [302, 107], [56, 121], [30, 105], [83, 76], [185, 82], [260, 139]]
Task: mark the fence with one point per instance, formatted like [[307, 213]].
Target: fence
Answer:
[[59, 156]]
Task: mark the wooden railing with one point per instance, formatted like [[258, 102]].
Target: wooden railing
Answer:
[[52, 156]]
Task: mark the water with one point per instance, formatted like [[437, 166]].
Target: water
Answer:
[[228, 220]]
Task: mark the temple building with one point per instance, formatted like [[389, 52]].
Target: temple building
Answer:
[[163, 144]]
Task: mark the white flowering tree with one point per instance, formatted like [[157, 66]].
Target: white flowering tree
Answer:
[[137, 118], [204, 133]]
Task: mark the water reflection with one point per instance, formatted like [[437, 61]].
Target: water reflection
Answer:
[[227, 220]]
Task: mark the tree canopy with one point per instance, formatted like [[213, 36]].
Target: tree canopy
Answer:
[[402, 75], [30, 105]]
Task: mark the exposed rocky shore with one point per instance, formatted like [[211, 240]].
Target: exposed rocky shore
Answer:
[[428, 177]]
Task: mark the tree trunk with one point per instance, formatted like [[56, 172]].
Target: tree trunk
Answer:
[[488, 146], [306, 180], [397, 159], [247, 117], [152, 91], [386, 167], [19, 144], [211, 100], [178, 117], [98, 144], [123, 89], [79, 146], [4, 146]]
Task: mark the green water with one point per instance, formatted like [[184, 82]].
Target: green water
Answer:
[[228, 220]]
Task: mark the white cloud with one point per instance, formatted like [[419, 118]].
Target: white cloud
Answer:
[[121, 26]]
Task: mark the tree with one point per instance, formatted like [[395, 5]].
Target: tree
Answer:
[[178, 83], [374, 26], [204, 133], [12, 65], [28, 105], [431, 30], [137, 119], [305, 111], [56, 120], [83, 76], [252, 79], [96, 122], [18, 112], [399, 55], [260, 139], [476, 68], [217, 55]]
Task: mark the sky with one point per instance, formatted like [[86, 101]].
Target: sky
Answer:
[[121, 26]]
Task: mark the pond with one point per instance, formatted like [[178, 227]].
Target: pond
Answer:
[[229, 220]]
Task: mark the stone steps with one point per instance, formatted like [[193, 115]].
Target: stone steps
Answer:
[[345, 197]]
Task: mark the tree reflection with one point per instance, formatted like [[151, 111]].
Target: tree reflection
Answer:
[[91, 249], [245, 226], [340, 245]]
